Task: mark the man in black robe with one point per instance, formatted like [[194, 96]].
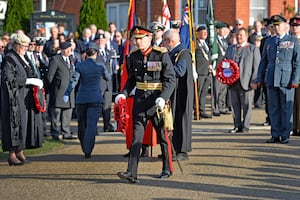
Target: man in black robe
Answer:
[[183, 95]]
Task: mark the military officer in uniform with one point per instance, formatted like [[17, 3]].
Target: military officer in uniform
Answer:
[[150, 70], [158, 30], [279, 70]]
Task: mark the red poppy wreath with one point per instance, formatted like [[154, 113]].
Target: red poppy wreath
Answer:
[[121, 113], [228, 72]]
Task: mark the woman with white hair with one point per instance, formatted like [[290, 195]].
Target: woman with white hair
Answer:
[[14, 99]]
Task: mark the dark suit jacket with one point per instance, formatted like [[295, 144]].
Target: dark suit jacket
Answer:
[[59, 76], [248, 59], [286, 69], [106, 85], [202, 59]]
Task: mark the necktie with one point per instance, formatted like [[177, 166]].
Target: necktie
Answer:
[[239, 47], [32, 59], [68, 62], [103, 55]]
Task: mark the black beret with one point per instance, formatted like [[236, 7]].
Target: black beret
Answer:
[[39, 43], [64, 45], [221, 25], [201, 28], [176, 24], [99, 36], [140, 32], [277, 19]]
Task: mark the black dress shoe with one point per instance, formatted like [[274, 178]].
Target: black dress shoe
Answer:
[[87, 155], [235, 130], [182, 156], [23, 160], [245, 130], [165, 174], [125, 175], [284, 141], [126, 155], [217, 114], [14, 163], [225, 112], [145, 152], [205, 115], [69, 137], [273, 140]]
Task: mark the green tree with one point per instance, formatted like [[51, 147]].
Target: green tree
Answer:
[[93, 12], [18, 15]]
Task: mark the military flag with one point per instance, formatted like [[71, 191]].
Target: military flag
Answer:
[[210, 21], [166, 15]]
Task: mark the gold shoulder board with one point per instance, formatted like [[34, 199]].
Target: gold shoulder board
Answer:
[[160, 49]]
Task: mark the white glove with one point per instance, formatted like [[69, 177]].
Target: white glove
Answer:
[[160, 103], [122, 96], [35, 81], [195, 74], [132, 93], [66, 98]]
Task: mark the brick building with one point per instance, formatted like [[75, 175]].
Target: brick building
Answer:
[[150, 10]]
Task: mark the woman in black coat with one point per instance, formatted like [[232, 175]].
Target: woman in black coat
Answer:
[[14, 101]]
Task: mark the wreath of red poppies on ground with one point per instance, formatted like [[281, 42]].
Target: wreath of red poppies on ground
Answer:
[[121, 115], [39, 99], [228, 72]]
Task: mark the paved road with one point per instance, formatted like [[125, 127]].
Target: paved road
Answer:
[[222, 166]]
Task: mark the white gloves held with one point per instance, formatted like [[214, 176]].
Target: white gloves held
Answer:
[[66, 98], [119, 96], [34, 81], [195, 74], [160, 103]]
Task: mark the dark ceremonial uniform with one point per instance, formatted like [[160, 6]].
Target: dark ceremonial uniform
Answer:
[[279, 69], [153, 76]]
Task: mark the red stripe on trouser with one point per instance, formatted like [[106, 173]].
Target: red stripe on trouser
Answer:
[[169, 150]]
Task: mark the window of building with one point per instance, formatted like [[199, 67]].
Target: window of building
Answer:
[[115, 12], [199, 11], [258, 10]]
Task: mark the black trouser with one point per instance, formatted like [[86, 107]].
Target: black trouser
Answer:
[[139, 125]]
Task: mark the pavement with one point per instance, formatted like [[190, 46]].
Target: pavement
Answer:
[[221, 166]]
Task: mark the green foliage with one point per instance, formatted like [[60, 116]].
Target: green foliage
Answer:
[[18, 15], [93, 12]]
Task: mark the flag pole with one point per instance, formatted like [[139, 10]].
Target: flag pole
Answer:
[[192, 46]]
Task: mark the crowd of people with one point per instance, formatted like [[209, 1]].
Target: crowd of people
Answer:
[[65, 77]]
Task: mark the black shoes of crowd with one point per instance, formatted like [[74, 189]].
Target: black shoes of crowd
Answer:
[[277, 140], [127, 176], [239, 130]]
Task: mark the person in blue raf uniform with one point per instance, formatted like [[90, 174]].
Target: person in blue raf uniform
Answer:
[[279, 70], [89, 98], [150, 70]]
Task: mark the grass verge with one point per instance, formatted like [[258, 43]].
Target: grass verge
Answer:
[[48, 145]]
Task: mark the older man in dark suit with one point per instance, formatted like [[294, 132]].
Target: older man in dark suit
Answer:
[[247, 56], [279, 71], [59, 76], [202, 67]]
